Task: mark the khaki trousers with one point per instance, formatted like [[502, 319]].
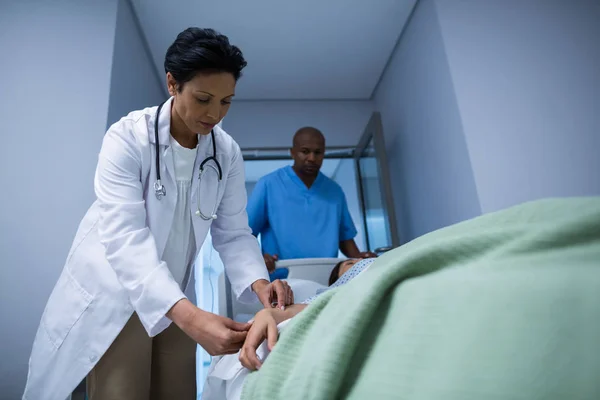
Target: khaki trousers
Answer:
[[138, 367]]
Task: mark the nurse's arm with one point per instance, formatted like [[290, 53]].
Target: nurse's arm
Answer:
[[130, 247], [232, 236], [349, 248]]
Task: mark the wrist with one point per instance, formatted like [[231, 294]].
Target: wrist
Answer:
[[258, 285], [282, 315], [275, 313], [182, 313]]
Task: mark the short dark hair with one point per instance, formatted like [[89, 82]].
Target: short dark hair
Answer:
[[202, 50], [307, 130], [335, 272]]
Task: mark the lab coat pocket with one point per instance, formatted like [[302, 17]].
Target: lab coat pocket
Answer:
[[66, 305]]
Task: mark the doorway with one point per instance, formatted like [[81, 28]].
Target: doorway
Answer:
[[339, 169], [363, 174]]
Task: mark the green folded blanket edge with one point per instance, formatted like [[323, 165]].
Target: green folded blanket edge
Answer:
[[352, 342]]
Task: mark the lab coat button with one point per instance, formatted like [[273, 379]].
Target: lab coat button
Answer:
[[93, 358]]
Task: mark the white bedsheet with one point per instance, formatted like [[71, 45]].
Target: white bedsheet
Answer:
[[226, 374]]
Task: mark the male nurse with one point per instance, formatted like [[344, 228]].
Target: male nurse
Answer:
[[298, 211]]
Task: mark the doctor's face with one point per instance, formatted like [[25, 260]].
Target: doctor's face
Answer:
[[202, 102]]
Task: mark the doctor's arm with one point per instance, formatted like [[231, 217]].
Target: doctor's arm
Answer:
[[130, 247], [238, 248], [131, 251]]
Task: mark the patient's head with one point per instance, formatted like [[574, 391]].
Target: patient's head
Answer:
[[340, 269]]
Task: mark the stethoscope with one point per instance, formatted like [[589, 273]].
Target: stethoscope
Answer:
[[159, 188]]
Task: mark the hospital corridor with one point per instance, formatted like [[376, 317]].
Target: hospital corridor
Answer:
[[252, 200]]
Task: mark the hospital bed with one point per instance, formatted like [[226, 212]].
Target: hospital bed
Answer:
[[501, 306], [306, 276]]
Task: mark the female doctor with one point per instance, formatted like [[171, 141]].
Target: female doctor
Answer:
[[165, 176]]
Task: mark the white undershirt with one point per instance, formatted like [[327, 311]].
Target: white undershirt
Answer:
[[181, 244]]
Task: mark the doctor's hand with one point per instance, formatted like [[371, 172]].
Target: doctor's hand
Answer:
[[270, 293], [217, 335], [264, 327], [270, 261]]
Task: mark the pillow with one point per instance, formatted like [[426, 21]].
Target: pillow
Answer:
[[303, 289]]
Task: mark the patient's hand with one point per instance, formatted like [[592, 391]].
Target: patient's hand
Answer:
[[263, 327]]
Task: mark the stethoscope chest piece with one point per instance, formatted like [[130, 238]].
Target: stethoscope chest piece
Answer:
[[159, 190]]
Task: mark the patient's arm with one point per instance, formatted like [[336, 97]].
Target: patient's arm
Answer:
[[265, 327], [289, 312]]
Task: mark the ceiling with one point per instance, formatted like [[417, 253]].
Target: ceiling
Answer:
[[296, 50]]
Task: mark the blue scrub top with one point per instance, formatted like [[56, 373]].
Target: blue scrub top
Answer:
[[297, 222]]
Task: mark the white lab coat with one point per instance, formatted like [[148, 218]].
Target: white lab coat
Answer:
[[114, 266]]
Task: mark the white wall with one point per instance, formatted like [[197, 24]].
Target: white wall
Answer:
[[55, 80], [527, 81], [273, 123], [432, 179], [135, 83]]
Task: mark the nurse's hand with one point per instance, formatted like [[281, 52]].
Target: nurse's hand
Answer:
[[273, 292], [366, 254], [270, 261], [217, 335]]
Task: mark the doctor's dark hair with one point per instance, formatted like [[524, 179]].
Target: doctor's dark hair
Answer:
[[202, 50]]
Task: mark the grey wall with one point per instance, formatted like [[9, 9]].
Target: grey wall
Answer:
[[345, 176], [490, 104], [273, 123], [527, 79], [55, 79], [134, 82], [432, 179]]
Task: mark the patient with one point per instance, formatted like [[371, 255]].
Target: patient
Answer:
[[227, 373], [266, 321], [341, 268]]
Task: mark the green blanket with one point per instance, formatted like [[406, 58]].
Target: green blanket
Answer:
[[503, 306]]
